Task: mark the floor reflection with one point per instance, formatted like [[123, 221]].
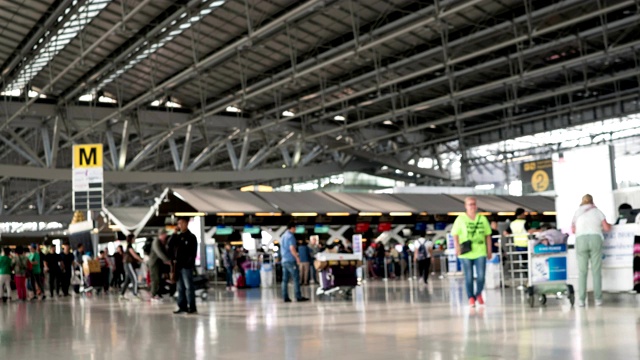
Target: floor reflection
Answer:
[[395, 319]]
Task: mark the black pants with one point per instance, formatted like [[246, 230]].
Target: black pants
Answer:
[[55, 282], [105, 272], [424, 266], [65, 282], [118, 278]]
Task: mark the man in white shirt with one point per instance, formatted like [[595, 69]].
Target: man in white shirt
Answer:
[[422, 256]]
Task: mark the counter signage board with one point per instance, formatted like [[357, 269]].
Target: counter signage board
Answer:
[[536, 176], [87, 177], [356, 243], [617, 249]]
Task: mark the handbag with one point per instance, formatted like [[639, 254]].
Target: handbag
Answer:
[[465, 247]]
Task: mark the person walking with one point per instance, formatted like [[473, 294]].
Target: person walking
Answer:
[[67, 260], [227, 262], [5, 274], [588, 225], [118, 272], [314, 249], [130, 258], [105, 271], [158, 258], [290, 262], [184, 248], [20, 269], [36, 272], [52, 267], [422, 256], [472, 237], [305, 261]]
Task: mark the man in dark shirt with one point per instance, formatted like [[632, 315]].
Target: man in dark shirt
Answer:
[[67, 259], [183, 247], [52, 266], [118, 273]]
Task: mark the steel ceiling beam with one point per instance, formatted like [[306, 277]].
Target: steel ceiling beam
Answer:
[[402, 26], [494, 85], [525, 100], [73, 64], [119, 177], [211, 60], [462, 41], [142, 43], [23, 56]]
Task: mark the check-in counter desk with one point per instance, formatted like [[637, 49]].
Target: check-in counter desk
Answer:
[[617, 260]]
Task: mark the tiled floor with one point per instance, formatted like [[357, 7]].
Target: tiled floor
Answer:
[[383, 321]]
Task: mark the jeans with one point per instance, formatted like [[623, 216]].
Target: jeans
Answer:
[[228, 273], [424, 267], [314, 275], [186, 290], [36, 285], [130, 278], [290, 269], [467, 267], [589, 249]]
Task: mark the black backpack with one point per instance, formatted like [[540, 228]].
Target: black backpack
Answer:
[[147, 246], [422, 252]]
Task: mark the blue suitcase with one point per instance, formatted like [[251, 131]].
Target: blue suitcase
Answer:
[[253, 278]]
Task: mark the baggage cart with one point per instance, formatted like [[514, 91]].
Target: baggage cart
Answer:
[[548, 273], [337, 273]]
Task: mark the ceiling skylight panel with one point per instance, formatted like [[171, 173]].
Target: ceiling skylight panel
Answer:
[[63, 37], [163, 41]]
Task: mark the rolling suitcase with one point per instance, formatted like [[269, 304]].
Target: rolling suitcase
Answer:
[[253, 276]]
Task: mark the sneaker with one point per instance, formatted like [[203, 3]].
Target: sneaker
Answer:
[[122, 298], [136, 298], [302, 299], [192, 311], [581, 303], [472, 302], [598, 302], [156, 299], [287, 300], [480, 300], [180, 311]]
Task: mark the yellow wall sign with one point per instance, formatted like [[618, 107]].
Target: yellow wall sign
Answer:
[[537, 176], [87, 156]]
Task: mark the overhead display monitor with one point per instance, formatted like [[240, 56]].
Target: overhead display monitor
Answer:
[[385, 226], [300, 229], [224, 230], [362, 227], [252, 229], [321, 229]]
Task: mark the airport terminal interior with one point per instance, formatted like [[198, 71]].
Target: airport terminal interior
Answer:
[[307, 179]]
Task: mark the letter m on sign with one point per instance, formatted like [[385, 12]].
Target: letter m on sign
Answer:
[[87, 156]]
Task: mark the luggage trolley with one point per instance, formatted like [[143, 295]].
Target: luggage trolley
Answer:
[[548, 273], [337, 273]]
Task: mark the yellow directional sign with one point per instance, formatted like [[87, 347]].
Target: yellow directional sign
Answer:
[[87, 156], [537, 176], [540, 181]]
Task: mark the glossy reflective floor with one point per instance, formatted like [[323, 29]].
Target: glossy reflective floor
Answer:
[[394, 320]]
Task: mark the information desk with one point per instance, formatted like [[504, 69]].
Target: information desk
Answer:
[[617, 260]]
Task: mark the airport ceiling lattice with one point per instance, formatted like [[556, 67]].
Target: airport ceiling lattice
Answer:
[[229, 93]]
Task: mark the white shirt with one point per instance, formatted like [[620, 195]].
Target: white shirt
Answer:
[[588, 220], [428, 245]]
